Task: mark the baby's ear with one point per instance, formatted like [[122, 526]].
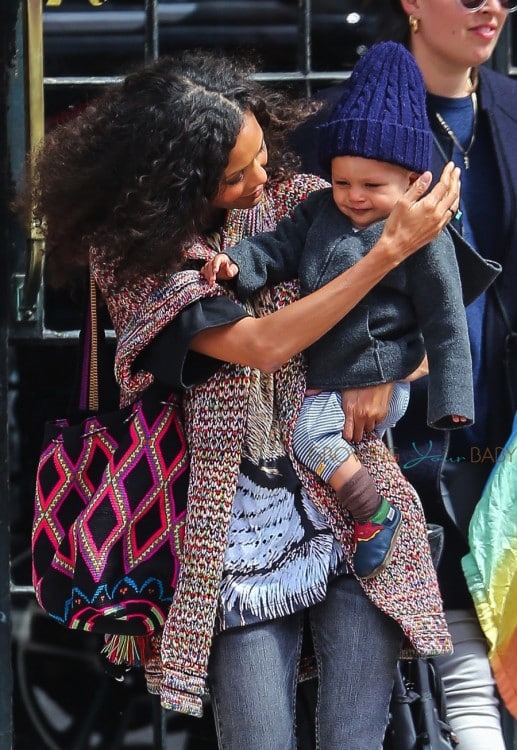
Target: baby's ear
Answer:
[[413, 176]]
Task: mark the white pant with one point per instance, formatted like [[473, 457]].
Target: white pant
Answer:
[[471, 695]]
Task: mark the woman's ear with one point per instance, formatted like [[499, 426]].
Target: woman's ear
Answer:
[[409, 6]]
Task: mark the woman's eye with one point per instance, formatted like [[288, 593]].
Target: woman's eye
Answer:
[[235, 179]]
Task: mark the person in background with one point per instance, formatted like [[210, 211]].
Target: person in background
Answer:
[[473, 113], [144, 186]]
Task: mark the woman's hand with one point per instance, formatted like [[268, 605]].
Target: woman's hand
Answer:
[[417, 220], [364, 408], [421, 371]]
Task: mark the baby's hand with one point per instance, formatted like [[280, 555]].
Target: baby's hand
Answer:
[[220, 267], [457, 418]]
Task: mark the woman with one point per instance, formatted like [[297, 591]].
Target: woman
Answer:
[[146, 184]]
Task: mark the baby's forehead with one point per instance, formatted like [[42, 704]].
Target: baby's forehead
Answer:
[[359, 166]]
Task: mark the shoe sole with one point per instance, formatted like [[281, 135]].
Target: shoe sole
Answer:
[[388, 557]]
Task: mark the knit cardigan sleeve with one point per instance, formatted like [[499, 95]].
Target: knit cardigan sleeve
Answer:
[[140, 311]]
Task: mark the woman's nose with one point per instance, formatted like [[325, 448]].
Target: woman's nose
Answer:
[[259, 173]]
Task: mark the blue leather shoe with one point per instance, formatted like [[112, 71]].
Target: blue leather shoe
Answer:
[[374, 543]]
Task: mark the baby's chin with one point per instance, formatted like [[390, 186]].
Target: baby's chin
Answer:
[[363, 218]]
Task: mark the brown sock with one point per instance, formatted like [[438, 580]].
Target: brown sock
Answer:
[[359, 495]]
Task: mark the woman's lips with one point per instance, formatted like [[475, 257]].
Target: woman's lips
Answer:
[[485, 31]]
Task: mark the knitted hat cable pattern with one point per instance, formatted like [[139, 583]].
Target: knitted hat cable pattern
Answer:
[[382, 114]]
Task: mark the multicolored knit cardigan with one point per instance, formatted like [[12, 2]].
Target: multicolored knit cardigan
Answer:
[[215, 420]]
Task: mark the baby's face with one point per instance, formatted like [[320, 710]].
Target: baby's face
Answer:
[[366, 190]]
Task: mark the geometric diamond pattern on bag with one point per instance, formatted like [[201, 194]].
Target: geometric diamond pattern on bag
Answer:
[[71, 481], [109, 517], [130, 488]]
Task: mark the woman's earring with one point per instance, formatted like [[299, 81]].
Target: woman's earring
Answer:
[[414, 24]]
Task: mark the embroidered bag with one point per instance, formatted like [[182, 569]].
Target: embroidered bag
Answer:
[[109, 517]]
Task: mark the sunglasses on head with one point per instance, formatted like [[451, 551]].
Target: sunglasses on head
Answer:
[[473, 5]]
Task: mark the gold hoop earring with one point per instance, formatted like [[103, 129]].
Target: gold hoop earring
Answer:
[[414, 23]]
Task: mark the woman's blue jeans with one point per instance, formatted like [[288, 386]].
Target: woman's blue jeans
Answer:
[[253, 675]]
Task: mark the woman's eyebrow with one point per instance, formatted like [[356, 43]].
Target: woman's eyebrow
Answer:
[[241, 169]]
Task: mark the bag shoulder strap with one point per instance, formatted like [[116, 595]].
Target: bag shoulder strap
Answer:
[[89, 336], [93, 374]]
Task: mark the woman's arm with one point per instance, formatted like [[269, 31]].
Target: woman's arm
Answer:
[[267, 343]]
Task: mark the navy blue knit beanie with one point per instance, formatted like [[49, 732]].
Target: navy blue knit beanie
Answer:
[[382, 114]]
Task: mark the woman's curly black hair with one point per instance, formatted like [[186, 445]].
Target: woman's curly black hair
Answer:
[[135, 172]]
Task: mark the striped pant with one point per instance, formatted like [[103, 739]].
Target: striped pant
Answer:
[[318, 437]]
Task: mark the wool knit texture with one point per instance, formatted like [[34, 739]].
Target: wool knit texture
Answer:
[[382, 114], [215, 423]]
